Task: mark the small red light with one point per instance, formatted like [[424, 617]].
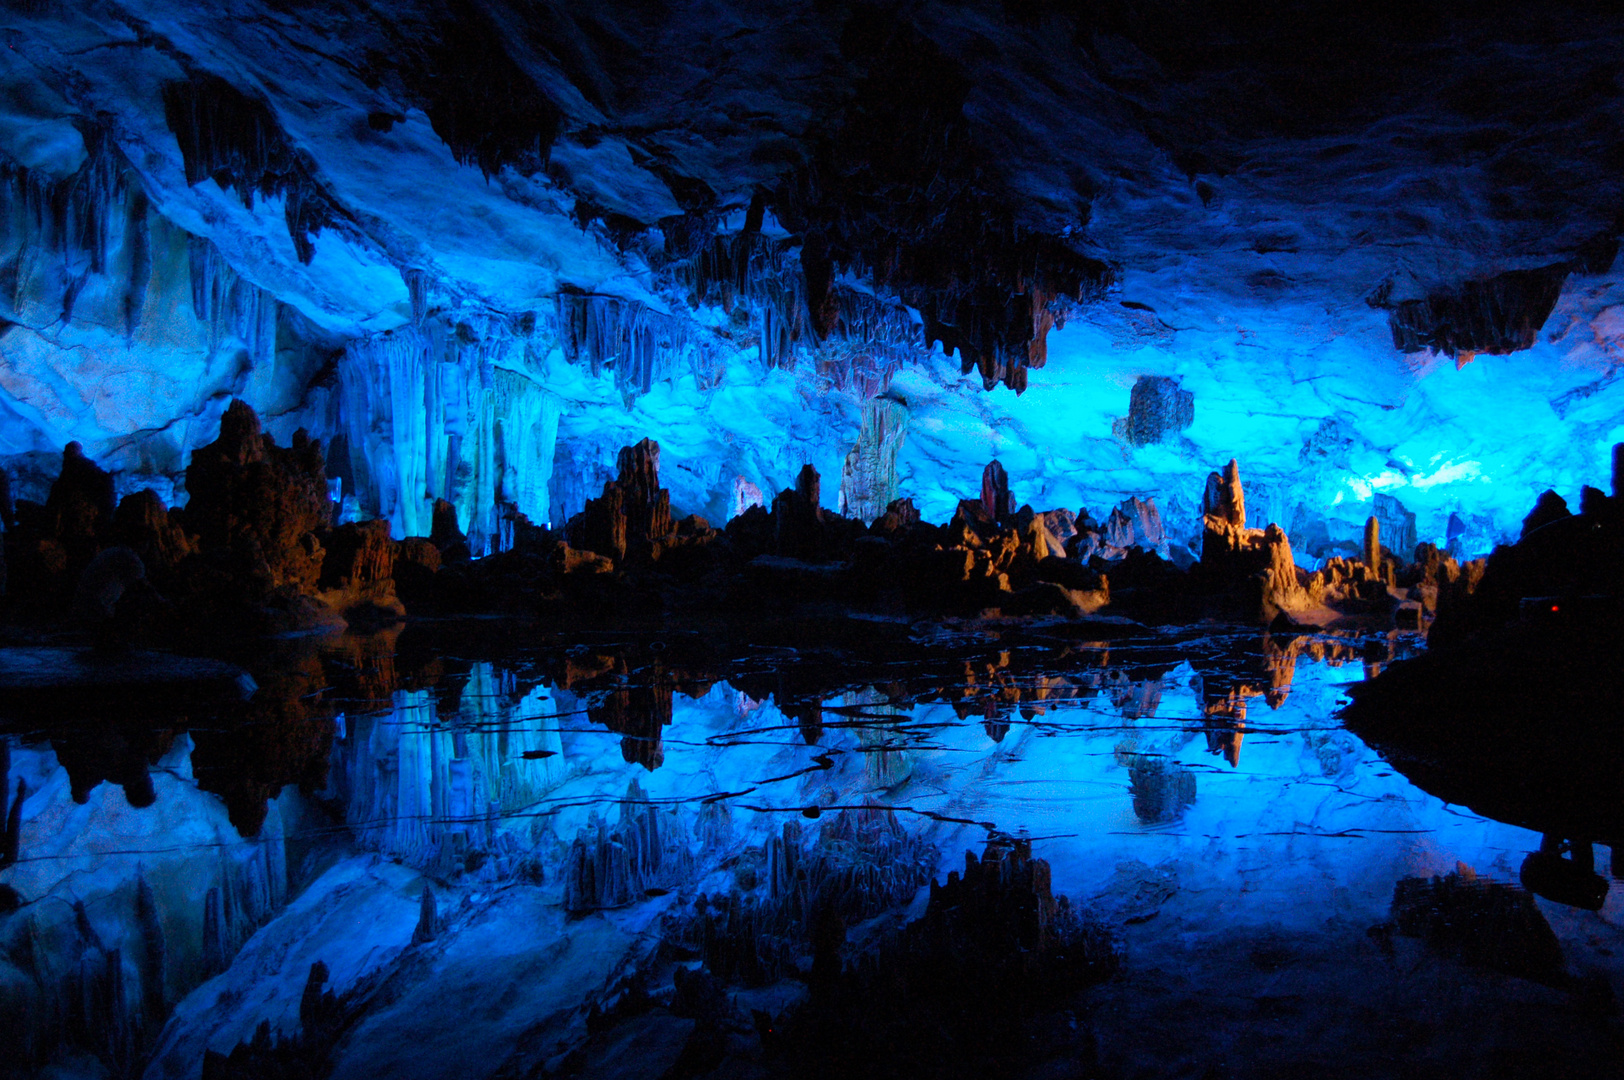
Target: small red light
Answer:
[[1556, 607]]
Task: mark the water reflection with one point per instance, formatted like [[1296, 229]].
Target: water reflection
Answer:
[[409, 812]]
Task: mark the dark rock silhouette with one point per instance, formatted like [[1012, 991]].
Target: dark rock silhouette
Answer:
[[996, 501], [1483, 923], [633, 514], [1158, 407]]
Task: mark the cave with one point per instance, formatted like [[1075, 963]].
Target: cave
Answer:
[[811, 538]]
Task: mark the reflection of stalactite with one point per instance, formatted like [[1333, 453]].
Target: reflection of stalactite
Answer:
[[322, 1015], [862, 863], [1137, 698], [121, 938], [639, 713], [1161, 788], [248, 893], [868, 480], [611, 866], [1226, 725], [430, 788]]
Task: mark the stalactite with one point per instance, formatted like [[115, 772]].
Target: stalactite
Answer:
[[235, 139], [863, 341], [868, 479], [431, 786], [56, 233], [1158, 408], [639, 345], [428, 414], [417, 289], [231, 307], [1497, 315]]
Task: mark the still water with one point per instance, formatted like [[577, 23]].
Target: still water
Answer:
[[509, 853]]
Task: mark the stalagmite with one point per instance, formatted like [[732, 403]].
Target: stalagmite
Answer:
[[1373, 545], [996, 499], [249, 495], [427, 919], [633, 515]]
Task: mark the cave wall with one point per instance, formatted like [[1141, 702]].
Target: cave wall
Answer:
[[482, 249]]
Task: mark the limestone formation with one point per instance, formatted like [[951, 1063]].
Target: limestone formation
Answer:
[[801, 528], [1372, 551], [1549, 508], [445, 535], [610, 866], [259, 501], [1135, 522], [1158, 408], [358, 571], [745, 495], [80, 506], [632, 515], [996, 500], [899, 517], [1254, 566], [1397, 526], [10, 815], [868, 478], [142, 524], [104, 582], [1224, 499], [1566, 566]]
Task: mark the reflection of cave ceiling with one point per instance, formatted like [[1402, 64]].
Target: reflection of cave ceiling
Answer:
[[1294, 208]]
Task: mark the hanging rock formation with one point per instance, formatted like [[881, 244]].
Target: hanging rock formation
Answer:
[[868, 478], [1158, 408]]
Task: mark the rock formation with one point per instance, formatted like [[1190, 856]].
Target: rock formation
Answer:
[[633, 515], [11, 810], [358, 571], [868, 478], [1254, 566], [1566, 568], [1158, 407], [611, 866], [1373, 545], [80, 506], [996, 501], [261, 503]]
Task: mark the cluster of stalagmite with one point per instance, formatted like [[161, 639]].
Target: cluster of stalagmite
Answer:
[[256, 550]]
